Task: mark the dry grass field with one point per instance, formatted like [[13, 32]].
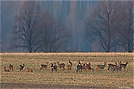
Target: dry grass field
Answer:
[[63, 78]]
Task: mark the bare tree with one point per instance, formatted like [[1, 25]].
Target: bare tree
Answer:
[[27, 20], [100, 24], [38, 30], [124, 25], [53, 33]]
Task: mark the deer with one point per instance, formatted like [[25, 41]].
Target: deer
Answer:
[[29, 70], [123, 65], [61, 65], [53, 67], [117, 68], [111, 65], [79, 67], [98, 67], [84, 66], [43, 66], [70, 65], [79, 63], [114, 67], [22, 67], [88, 66], [6, 70], [11, 67]]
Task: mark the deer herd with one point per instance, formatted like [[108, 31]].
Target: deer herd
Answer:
[[79, 68]]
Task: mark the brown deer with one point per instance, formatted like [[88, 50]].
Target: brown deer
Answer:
[[70, 65], [111, 65], [61, 65], [6, 70], [88, 66], [44, 66], [84, 66], [29, 70], [123, 65], [22, 67], [11, 67], [117, 68], [98, 67], [114, 67]]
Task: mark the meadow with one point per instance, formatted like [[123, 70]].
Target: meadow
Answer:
[[102, 78]]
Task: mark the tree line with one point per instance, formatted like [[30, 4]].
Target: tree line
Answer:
[[110, 23]]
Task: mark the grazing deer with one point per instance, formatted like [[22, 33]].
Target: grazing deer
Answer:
[[123, 65], [98, 67], [88, 66], [22, 67], [61, 65], [6, 70], [111, 65], [29, 70], [43, 66], [11, 67], [70, 65]]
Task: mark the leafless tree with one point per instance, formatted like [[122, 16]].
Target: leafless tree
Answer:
[[26, 30], [38, 30], [124, 25], [100, 24], [53, 33]]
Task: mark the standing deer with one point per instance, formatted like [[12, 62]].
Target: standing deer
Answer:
[[111, 65], [123, 65], [88, 66], [22, 67], [79, 67], [98, 67], [11, 67], [43, 66], [115, 67], [79, 63], [70, 65], [61, 65], [84, 66], [53, 67]]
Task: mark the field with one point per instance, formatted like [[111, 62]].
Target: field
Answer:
[[63, 78]]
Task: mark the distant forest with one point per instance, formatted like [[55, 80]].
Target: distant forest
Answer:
[[67, 26]]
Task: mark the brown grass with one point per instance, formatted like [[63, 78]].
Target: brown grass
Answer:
[[102, 78]]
